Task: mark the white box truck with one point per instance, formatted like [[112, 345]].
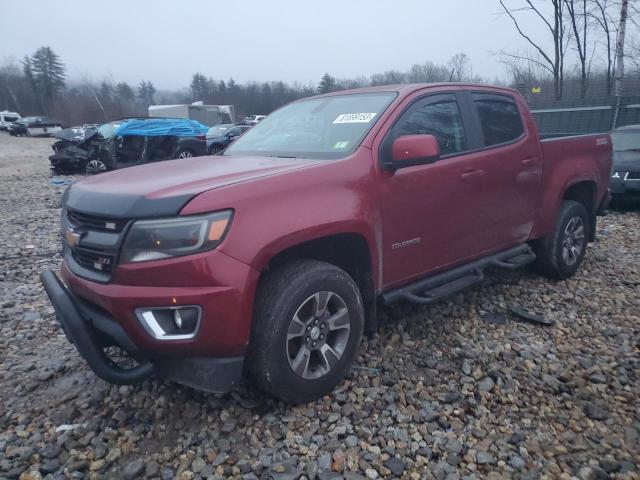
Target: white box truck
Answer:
[[209, 115]]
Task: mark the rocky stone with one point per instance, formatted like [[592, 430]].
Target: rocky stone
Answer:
[[435, 392], [484, 458], [595, 412], [133, 469], [396, 466], [486, 384], [517, 462]]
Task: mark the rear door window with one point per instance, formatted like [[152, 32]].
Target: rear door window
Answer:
[[499, 119]]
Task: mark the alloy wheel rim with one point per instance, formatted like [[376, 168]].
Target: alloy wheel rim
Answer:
[[318, 335], [185, 155], [95, 166], [573, 240]]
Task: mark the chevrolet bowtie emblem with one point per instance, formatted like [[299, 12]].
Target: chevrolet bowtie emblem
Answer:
[[72, 238]]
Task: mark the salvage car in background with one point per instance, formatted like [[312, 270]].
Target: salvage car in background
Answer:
[[254, 119], [34, 127], [125, 143], [220, 136], [7, 118], [625, 173]]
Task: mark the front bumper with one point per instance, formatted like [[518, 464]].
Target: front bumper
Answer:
[[90, 329], [62, 162]]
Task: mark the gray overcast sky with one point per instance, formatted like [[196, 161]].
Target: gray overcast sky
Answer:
[[166, 41]]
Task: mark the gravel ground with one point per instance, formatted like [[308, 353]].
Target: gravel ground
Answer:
[[440, 392]]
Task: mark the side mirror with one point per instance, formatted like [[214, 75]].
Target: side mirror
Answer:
[[411, 150]]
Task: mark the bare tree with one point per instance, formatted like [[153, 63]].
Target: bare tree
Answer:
[[553, 62], [620, 44], [461, 69], [600, 13], [577, 13]]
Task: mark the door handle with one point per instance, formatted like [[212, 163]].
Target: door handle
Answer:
[[470, 174], [529, 161]]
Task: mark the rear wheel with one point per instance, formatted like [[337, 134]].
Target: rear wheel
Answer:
[[560, 254], [308, 324], [93, 167], [184, 154]]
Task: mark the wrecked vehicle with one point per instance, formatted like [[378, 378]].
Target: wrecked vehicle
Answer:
[[34, 127], [125, 143], [269, 262]]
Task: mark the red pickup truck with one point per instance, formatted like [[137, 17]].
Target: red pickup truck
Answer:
[[266, 262]]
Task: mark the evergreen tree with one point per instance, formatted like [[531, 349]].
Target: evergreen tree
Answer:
[[48, 75], [146, 91], [199, 87], [106, 92], [124, 93], [28, 74], [327, 84]]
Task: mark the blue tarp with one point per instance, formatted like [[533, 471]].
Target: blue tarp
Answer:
[[160, 127]]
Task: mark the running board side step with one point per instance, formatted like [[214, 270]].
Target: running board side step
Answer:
[[432, 289]]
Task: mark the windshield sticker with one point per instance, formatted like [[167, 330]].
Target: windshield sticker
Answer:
[[355, 118], [341, 145]]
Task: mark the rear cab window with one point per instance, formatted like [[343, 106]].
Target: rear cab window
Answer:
[[499, 117]]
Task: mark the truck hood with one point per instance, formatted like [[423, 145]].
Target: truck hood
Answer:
[[162, 189], [626, 161]]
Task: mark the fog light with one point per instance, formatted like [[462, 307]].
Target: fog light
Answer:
[[170, 323]]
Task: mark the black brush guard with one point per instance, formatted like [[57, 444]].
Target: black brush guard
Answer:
[[82, 330]]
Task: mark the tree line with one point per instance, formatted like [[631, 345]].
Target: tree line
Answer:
[[38, 85], [584, 44]]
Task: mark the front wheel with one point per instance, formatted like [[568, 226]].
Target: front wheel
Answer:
[[560, 254], [184, 154], [215, 148], [308, 324]]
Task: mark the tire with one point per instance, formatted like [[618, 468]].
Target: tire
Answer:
[[186, 153], [560, 254], [94, 167], [280, 342], [215, 148]]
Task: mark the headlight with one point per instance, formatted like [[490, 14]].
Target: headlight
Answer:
[[158, 239]]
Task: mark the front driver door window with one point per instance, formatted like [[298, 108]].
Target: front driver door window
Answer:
[[442, 120]]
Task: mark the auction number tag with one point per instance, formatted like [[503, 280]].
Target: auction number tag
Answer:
[[355, 118]]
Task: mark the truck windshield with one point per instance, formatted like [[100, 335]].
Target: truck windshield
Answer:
[[317, 128], [626, 141]]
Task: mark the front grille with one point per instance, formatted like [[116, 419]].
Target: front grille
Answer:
[[94, 259], [93, 222], [633, 176]]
